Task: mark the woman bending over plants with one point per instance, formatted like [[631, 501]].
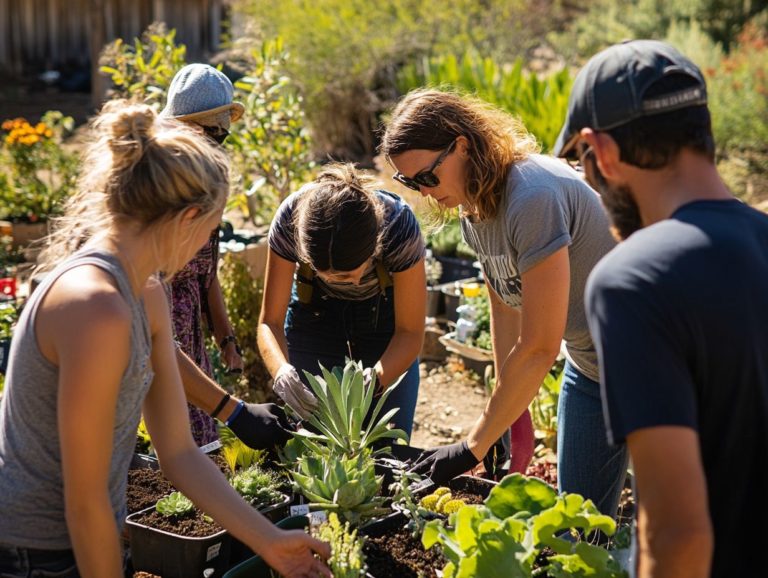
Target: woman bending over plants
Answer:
[[538, 230], [345, 279], [93, 350]]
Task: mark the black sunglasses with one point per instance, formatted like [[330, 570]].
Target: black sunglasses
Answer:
[[216, 134], [579, 154], [427, 177]]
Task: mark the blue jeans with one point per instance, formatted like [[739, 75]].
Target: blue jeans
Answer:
[[327, 331], [31, 563], [586, 464]]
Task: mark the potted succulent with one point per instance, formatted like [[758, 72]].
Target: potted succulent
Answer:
[[37, 173], [175, 540]]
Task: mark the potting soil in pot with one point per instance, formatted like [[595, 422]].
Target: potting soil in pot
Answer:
[[397, 554], [193, 525], [145, 488]]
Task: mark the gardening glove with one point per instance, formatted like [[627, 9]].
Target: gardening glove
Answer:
[[262, 426], [497, 460], [446, 462], [290, 388], [369, 377]]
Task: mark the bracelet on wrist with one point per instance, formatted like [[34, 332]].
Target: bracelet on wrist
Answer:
[[230, 339], [221, 405], [238, 409]]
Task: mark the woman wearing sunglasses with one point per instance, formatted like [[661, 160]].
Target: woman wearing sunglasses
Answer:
[[538, 230], [345, 278]]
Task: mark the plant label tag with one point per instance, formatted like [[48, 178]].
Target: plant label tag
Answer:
[[427, 483], [317, 518], [213, 551], [300, 510], [208, 448]]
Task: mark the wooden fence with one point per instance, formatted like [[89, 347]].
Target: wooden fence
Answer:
[[47, 34]]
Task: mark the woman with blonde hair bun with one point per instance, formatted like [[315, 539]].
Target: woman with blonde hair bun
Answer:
[[93, 350]]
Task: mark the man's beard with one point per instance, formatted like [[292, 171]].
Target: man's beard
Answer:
[[621, 207]]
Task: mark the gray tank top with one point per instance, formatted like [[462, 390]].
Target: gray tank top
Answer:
[[31, 486]]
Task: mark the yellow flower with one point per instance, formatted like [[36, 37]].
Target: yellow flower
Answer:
[[7, 124], [48, 133], [40, 128]]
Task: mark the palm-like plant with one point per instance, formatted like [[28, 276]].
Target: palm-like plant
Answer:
[[344, 400]]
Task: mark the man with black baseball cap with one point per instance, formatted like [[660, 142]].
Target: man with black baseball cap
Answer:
[[677, 311]]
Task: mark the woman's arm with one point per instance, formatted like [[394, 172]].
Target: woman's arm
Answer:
[[222, 327], [196, 475], [274, 306], [543, 317], [410, 294], [91, 364]]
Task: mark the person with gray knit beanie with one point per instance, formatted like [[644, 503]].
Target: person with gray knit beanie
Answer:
[[201, 95]]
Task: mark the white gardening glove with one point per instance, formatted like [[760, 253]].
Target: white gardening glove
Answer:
[[293, 392]]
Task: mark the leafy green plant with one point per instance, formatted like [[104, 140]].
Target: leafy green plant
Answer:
[[174, 504], [242, 294], [37, 172], [236, 453], [143, 70], [404, 498], [540, 103], [347, 485], [347, 558], [258, 486], [521, 517], [344, 400], [270, 146]]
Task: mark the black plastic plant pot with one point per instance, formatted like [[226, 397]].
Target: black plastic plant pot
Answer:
[[175, 556], [455, 268], [139, 461], [469, 484]]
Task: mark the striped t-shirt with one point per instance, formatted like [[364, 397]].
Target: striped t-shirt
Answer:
[[402, 245]]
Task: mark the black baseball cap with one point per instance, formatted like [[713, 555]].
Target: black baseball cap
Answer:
[[610, 90]]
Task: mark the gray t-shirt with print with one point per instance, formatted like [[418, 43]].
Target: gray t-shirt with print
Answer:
[[546, 206]]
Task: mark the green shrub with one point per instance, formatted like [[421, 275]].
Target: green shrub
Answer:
[[346, 53], [143, 70], [242, 294], [600, 23], [270, 145], [541, 103]]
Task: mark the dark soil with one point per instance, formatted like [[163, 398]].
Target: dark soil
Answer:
[[193, 525], [145, 487], [397, 554]]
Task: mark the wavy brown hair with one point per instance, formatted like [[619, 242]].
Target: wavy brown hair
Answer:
[[432, 119]]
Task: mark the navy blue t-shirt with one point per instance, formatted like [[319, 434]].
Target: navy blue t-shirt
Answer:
[[679, 316]]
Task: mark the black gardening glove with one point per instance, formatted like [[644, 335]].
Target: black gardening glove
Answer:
[[497, 460], [262, 426], [445, 463]]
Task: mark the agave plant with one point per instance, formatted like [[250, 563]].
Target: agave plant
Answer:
[[344, 400], [347, 485]]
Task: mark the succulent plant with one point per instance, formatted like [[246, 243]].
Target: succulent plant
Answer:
[[174, 504]]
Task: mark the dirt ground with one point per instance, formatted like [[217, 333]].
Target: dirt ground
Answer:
[[450, 401]]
